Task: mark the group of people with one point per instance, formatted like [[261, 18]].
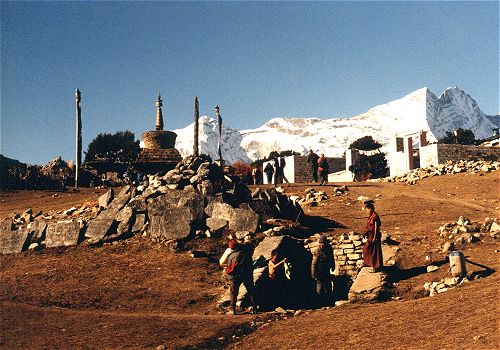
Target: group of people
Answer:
[[275, 171], [318, 166], [238, 264]]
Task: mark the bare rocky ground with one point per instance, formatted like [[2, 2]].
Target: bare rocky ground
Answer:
[[137, 294]]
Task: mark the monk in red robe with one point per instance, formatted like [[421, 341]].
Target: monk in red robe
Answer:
[[372, 250]]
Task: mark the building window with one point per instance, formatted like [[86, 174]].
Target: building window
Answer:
[[400, 147]]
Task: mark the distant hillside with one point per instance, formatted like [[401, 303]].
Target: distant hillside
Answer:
[[8, 170]]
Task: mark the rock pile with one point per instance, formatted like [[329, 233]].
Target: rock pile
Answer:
[[465, 231], [443, 285], [174, 206], [32, 231], [340, 190], [311, 197], [449, 167]]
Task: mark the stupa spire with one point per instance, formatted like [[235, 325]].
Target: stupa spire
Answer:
[[159, 115]]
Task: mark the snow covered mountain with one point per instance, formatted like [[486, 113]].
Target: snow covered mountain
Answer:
[[419, 110]]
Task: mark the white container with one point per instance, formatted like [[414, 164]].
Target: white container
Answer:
[[457, 264]]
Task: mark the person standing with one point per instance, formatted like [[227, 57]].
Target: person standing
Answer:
[[282, 171], [239, 270], [277, 290], [322, 262], [323, 169], [254, 174], [277, 171], [372, 250], [312, 159], [269, 170]]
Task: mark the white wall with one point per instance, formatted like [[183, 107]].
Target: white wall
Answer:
[[397, 160], [289, 169], [428, 155]]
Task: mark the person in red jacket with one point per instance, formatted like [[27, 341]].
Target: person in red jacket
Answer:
[[239, 270], [372, 250]]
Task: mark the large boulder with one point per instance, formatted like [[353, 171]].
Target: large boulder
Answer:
[[243, 220], [295, 292], [222, 211], [62, 234], [104, 224], [173, 223], [176, 214], [281, 205], [216, 225], [367, 285], [267, 245], [262, 208], [239, 219], [12, 242]]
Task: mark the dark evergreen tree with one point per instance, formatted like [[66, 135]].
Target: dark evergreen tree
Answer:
[[365, 143], [120, 147], [459, 136], [373, 166]]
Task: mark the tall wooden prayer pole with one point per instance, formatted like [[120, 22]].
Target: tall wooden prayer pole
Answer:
[[78, 161], [219, 123], [196, 152]]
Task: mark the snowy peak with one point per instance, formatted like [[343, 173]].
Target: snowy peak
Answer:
[[208, 141], [455, 109], [419, 110]]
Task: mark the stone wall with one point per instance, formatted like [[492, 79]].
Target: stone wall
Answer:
[[462, 152], [435, 154], [348, 255], [303, 170]]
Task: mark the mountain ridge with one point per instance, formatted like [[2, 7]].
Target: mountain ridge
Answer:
[[418, 110]]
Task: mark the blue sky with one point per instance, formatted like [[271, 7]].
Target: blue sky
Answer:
[[257, 60]]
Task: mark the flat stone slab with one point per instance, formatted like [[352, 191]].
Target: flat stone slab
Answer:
[[106, 198], [62, 234], [140, 221], [267, 245], [38, 229], [178, 198], [243, 220], [215, 224], [262, 208], [221, 211], [239, 219], [101, 226], [174, 223], [12, 242], [367, 284], [174, 214]]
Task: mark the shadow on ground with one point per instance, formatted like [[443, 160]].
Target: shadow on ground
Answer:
[[316, 224]]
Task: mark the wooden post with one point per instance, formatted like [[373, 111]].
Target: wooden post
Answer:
[[196, 122], [78, 161], [219, 123]]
